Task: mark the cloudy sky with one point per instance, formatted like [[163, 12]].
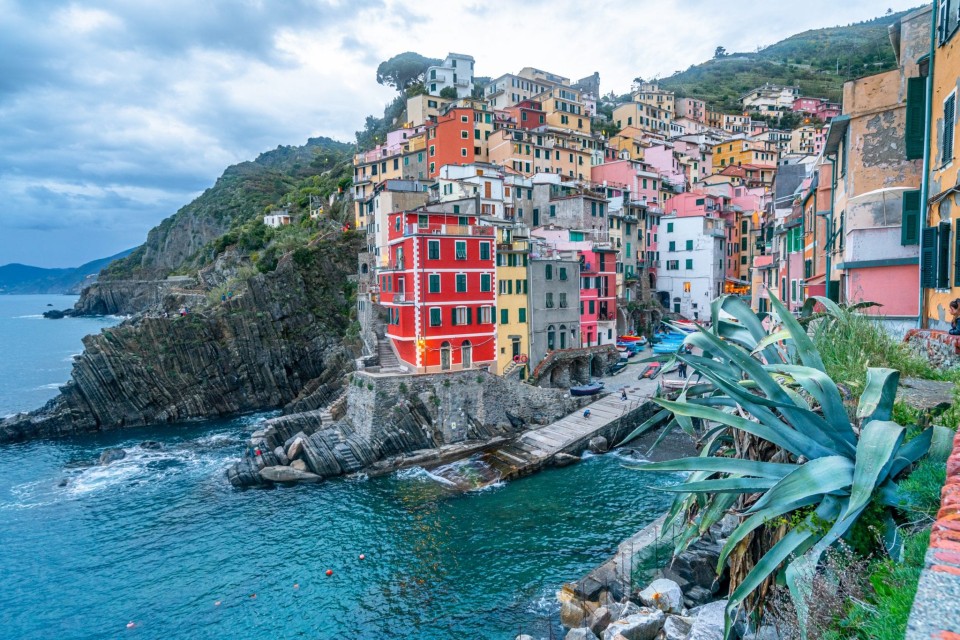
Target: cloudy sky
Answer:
[[114, 113]]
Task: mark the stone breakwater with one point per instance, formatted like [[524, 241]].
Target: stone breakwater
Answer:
[[279, 342], [383, 423]]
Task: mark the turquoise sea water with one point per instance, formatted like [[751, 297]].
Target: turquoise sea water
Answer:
[[161, 540]]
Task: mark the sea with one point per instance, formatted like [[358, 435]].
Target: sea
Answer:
[[158, 545]]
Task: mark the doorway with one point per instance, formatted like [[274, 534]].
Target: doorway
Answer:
[[445, 356], [466, 354]]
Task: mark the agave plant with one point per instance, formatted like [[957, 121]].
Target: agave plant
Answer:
[[778, 445]]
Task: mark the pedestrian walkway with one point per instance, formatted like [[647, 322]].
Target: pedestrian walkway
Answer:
[[535, 448]]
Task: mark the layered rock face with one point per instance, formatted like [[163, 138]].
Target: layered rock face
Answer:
[[255, 351]]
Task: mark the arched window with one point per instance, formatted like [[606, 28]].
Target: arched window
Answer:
[[563, 336], [466, 354], [551, 338], [363, 268], [445, 356]]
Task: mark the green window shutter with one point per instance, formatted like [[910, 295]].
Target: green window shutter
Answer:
[[928, 258], [453, 316], [943, 257], [916, 117], [469, 315], [910, 220], [689, 245], [956, 254], [689, 264], [504, 316], [522, 314], [673, 246]]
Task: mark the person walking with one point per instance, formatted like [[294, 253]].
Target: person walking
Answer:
[[682, 370], [623, 393]]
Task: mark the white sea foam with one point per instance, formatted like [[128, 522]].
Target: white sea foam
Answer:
[[32, 316], [52, 385]]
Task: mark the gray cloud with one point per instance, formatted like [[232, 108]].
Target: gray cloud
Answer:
[[113, 114]]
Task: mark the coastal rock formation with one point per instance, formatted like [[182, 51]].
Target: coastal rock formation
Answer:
[[256, 351]]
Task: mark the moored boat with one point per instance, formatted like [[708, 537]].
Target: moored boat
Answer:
[[587, 389]]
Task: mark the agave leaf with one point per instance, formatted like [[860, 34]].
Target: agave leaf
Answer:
[[913, 451], [772, 338], [654, 421], [754, 325], [799, 573], [724, 465], [941, 444], [876, 401], [879, 441], [892, 540], [723, 485], [790, 543], [761, 517], [822, 388], [667, 430], [816, 477], [832, 308], [788, 439], [804, 345], [717, 509]]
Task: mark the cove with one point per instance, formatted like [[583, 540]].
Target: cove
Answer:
[[160, 537]]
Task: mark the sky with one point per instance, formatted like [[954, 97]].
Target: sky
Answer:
[[114, 114]]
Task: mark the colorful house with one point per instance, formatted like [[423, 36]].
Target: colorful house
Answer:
[[439, 290], [513, 329]]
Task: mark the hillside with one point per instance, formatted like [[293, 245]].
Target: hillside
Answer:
[[819, 61], [186, 240], [24, 279]]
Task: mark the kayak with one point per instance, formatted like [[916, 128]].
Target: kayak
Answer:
[[587, 389]]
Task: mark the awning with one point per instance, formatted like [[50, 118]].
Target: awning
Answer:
[[743, 283], [879, 193], [838, 127], [815, 280]]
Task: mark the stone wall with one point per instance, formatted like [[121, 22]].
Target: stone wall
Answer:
[[942, 349]]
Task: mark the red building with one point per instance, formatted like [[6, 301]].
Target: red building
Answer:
[[598, 296], [439, 290], [451, 140], [527, 114]]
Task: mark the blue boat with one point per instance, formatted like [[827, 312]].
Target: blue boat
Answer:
[[591, 389]]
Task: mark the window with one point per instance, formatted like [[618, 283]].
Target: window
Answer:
[[484, 250], [943, 256], [673, 265], [433, 249], [522, 314], [463, 152], [504, 316], [689, 245], [433, 283], [433, 151], [461, 282], [434, 317], [461, 315], [689, 264], [548, 271], [672, 246], [485, 282], [686, 288], [949, 122], [592, 306], [464, 119], [669, 224], [461, 247], [553, 211], [485, 315], [464, 135], [563, 300], [549, 300], [563, 273]]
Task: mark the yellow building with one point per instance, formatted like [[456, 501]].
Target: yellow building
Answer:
[[564, 109], [422, 108], [528, 152], [629, 139], [740, 151], [513, 335], [651, 94], [939, 275], [643, 116]]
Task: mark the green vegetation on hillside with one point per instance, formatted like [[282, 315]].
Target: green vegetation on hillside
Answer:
[[284, 177], [819, 61]]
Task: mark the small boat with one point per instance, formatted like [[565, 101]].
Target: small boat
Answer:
[[651, 370], [631, 338], [667, 347], [587, 389], [617, 367]]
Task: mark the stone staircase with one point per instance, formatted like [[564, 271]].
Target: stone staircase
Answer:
[[388, 359]]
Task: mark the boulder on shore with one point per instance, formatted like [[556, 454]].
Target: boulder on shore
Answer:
[[708, 625], [598, 444], [640, 626], [580, 634], [111, 455], [663, 594], [280, 473], [565, 460]]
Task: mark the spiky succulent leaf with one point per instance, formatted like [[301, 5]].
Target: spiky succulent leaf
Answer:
[[876, 401]]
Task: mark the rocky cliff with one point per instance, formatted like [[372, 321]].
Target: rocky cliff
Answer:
[[258, 350]]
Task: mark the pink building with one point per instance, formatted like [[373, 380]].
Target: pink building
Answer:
[[828, 111], [807, 105]]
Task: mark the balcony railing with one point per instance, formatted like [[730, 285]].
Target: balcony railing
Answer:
[[401, 298], [447, 230]]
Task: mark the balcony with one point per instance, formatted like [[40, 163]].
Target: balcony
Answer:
[[716, 232], [394, 266], [439, 77], [402, 298], [462, 83], [447, 230]]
